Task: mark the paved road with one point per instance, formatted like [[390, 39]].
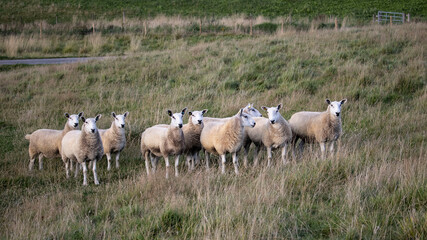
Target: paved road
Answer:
[[51, 60]]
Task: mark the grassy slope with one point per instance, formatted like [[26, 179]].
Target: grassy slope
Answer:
[[28, 11], [376, 188]]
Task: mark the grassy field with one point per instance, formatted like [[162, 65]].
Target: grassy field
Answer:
[[376, 186], [51, 10]]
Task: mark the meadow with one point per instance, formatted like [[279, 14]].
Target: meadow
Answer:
[[375, 187]]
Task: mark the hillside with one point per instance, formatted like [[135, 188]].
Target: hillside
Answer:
[[29, 11], [376, 187]]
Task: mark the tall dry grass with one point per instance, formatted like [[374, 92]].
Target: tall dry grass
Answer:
[[375, 187]]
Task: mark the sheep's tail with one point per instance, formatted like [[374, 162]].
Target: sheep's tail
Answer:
[[28, 136]]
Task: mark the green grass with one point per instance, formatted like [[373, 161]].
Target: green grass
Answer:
[[375, 188], [29, 11]]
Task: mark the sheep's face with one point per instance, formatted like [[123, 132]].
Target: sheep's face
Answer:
[[247, 120], [273, 113], [335, 107], [250, 110], [197, 116], [176, 118], [89, 124], [73, 120], [119, 120]]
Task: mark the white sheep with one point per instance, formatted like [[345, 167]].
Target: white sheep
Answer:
[[272, 132], [83, 146], [114, 139], [158, 141], [320, 127], [249, 109], [221, 137], [47, 142]]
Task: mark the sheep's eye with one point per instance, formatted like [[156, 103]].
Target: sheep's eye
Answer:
[[245, 117]]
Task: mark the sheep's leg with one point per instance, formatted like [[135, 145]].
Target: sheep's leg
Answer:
[[331, 149], [117, 160], [207, 159], [223, 163], [188, 161], [176, 166], [90, 164], [95, 176], [236, 163], [67, 168], [154, 161], [284, 150], [84, 173], [256, 156], [269, 156], [196, 159], [322, 149], [71, 165], [167, 166], [76, 171], [32, 159], [301, 148], [108, 161], [40, 161]]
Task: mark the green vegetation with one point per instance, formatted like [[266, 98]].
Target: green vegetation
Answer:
[[375, 188], [29, 11]]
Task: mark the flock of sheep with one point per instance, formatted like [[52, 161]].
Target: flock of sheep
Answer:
[[217, 136]]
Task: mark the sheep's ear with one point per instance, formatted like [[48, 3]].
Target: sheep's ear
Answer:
[[241, 112], [328, 101], [183, 111], [80, 114], [126, 114], [113, 114], [98, 117], [248, 106], [67, 115], [279, 106], [204, 111], [264, 108], [343, 101], [170, 113], [190, 113], [83, 119]]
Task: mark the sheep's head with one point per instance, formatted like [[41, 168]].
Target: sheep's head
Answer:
[[176, 118], [273, 113], [119, 120], [247, 120], [335, 107], [73, 120], [89, 124], [197, 116], [250, 110]]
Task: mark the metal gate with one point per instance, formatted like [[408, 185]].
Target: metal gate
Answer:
[[394, 17]]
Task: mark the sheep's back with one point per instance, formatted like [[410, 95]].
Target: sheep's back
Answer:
[[152, 138], [46, 141], [301, 121]]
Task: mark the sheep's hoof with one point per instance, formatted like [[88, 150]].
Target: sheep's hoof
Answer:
[[96, 183]]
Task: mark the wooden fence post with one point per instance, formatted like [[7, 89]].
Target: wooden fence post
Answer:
[[145, 28], [93, 28], [409, 19], [282, 27], [336, 24], [391, 22], [373, 18], [250, 24]]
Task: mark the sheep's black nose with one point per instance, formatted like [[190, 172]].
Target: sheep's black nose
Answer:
[[200, 121], [92, 130], [272, 121], [180, 125], [123, 125], [254, 125], [338, 114], [76, 124]]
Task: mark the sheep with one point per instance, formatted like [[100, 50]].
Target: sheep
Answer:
[[192, 131], [249, 109], [158, 141], [83, 146], [320, 127], [47, 142], [114, 139], [272, 132], [223, 137]]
